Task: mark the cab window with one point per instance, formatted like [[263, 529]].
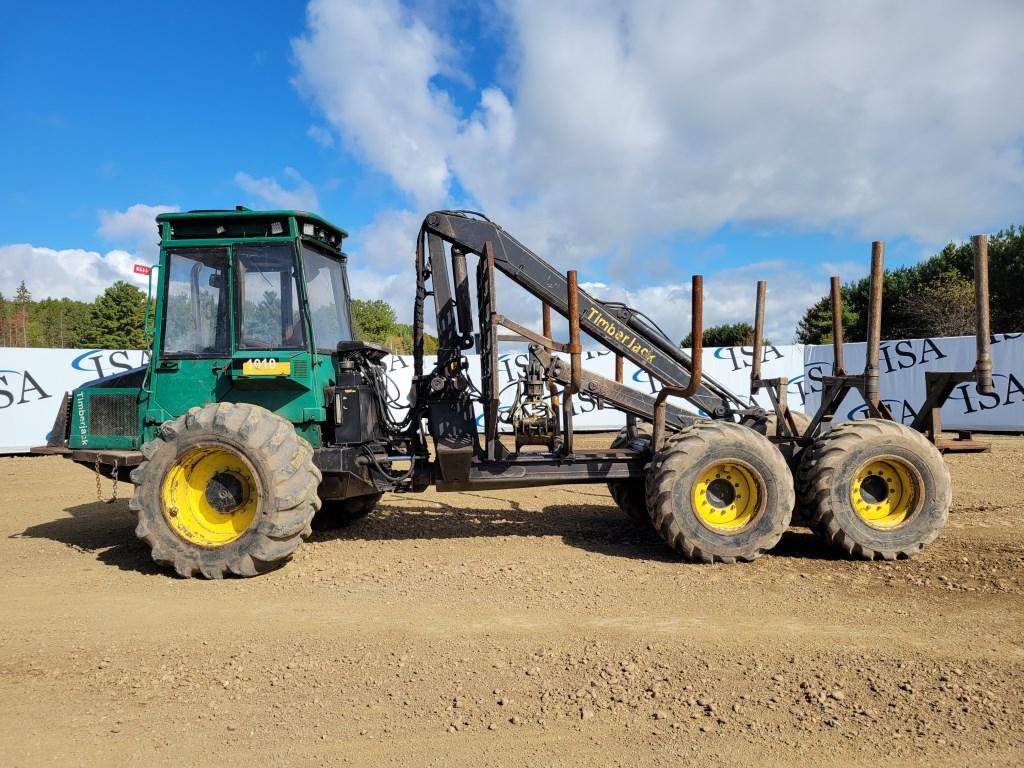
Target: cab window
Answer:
[[267, 298], [196, 322], [327, 289]]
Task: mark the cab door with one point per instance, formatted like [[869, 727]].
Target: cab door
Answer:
[[271, 364], [191, 366]]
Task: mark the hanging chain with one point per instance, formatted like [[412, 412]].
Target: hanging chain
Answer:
[[99, 474], [113, 474]]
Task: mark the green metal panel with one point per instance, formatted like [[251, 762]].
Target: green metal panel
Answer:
[[247, 220], [105, 419]]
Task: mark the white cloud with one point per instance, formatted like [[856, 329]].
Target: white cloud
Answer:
[[388, 243], [636, 120], [71, 273], [382, 258], [729, 297], [624, 124], [134, 226], [369, 67], [81, 274], [268, 192]]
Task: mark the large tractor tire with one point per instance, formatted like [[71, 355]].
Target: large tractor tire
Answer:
[[337, 513], [631, 495], [226, 489], [875, 489], [720, 492]]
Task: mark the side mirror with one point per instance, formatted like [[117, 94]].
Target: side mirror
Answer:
[[216, 281]]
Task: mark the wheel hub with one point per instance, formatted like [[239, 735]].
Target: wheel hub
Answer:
[[885, 492], [727, 496], [210, 496], [224, 492], [720, 493]]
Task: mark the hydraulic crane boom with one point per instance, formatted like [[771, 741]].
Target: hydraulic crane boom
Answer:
[[617, 327]]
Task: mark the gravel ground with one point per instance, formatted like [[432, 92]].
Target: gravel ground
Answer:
[[535, 627]]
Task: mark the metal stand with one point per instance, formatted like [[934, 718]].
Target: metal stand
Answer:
[[939, 385], [785, 426], [840, 382]]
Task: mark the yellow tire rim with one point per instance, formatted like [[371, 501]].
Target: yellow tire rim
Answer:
[[727, 497], [885, 492], [210, 496]]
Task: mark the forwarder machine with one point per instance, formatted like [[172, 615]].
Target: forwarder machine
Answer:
[[259, 415]]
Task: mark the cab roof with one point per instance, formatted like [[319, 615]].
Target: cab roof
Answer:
[[243, 223]]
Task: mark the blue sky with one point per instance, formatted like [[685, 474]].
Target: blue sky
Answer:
[[636, 142], [144, 104]]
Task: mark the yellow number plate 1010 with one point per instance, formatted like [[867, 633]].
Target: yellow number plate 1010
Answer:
[[266, 367]]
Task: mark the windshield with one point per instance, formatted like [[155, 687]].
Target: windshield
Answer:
[[327, 290], [267, 298]]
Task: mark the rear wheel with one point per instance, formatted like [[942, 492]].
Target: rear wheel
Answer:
[[337, 513], [720, 492], [631, 495], [225, 489], [875, 489]]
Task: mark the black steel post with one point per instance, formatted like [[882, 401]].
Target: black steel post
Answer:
[[417, 311], [871, 369], [755, 368], [463, 306], [838, 363], [696, 357], [983, 330]]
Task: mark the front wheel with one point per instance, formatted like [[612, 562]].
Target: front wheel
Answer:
[[720, 492], [225, 489]]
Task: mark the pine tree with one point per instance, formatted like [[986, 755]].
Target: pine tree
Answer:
[[118, 318], [59, 323], [22, 300], [931, 298]]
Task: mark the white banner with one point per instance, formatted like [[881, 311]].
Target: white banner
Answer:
[[902, 384], [32, 382]]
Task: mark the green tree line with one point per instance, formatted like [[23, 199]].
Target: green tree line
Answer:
[[116, 320], [375, 320], [724, 335], [933, 298]]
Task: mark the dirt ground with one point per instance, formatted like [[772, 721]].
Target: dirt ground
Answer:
[[513, 628]]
